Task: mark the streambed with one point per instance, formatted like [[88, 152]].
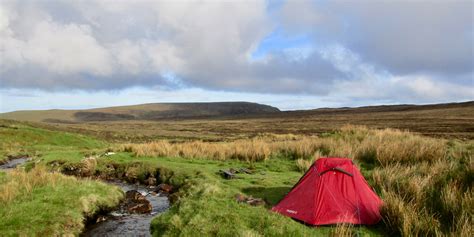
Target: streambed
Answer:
[[118, 222], [121, 223], [11, 164]]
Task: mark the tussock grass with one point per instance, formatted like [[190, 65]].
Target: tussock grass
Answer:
[[382, 147], [40, 203], [343, 230], [247, 150], [429, 198], [304, 164], [426, 183]]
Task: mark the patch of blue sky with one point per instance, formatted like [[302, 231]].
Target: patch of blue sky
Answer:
[[279, 42], [172, 80], [274, 5]]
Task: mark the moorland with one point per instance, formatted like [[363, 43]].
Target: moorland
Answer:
[[418, 158]]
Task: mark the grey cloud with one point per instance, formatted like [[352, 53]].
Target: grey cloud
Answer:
[[100, 45], [277, 74], [405, 37], [34, 77]]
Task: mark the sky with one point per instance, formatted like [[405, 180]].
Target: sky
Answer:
[[73, 54]]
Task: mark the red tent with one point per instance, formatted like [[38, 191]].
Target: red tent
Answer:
[[332, 191]]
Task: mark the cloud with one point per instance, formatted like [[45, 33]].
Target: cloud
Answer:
[[401, 36], [390, 51]]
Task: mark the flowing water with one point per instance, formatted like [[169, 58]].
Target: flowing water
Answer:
[[11, 164], [120, 223]]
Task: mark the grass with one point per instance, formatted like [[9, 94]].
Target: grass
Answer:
[[426, 183], [40, 203], [445, 121], [206, 202], [382, 147], [21, 139], [429, 198]]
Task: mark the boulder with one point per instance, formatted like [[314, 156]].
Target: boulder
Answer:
[[142, 207], [137, 203], [133, 195], [165, 188]]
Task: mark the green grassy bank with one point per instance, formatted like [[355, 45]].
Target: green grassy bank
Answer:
[[40, 203]]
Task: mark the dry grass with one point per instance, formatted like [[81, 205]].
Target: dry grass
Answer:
[[449, 121], [41, 203], [252, 150], [426, 183], [23, 183], [372, 146], [304, 164], [343, 230], [429, 199]]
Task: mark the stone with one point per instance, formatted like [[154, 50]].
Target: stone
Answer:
[[151, 181], [142, 207], [227, 174], [133, 195], [245, 170], [166, 188], [256, 202], [100, 219], [137, 203]]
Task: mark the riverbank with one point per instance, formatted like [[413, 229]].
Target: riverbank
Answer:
[[41, 203], [120, 222]]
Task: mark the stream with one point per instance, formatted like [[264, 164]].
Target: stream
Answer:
[[118, 222], [11, 164]]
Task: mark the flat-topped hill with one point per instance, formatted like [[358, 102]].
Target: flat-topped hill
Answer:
[[153, 111]]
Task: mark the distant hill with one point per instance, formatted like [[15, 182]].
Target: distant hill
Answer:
[[155, 111], [382, 108], [224, 110]]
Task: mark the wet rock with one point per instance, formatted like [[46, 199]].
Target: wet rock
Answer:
[[100, 219], [117, 214], [140, 208], [165, 188], [137, 203], [151, 181], [133, 195]]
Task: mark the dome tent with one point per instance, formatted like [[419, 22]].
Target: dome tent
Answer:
[[332, 191]]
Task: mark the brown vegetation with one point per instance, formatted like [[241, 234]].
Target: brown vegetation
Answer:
[[429, 198], [372, 146], [426, 183]]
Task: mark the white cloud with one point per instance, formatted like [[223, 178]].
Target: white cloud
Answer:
[[60, 48], [66, 49], [392, 52]]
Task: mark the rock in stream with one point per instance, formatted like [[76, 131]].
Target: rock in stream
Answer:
[[134, 216]]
